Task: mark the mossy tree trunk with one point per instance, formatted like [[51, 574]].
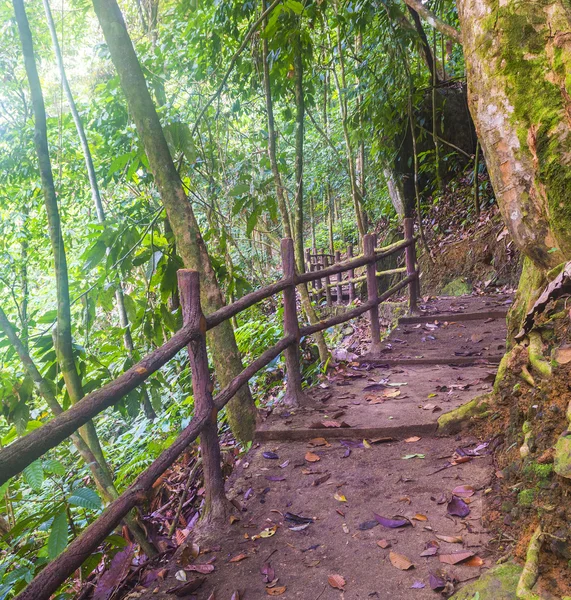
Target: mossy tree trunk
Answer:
[[189, 241], [518, 56]]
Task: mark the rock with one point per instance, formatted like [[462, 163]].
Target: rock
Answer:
[[562, 462], [457, 287], [498, 583]]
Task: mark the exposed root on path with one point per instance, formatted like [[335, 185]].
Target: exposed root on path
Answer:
[[531, 568]]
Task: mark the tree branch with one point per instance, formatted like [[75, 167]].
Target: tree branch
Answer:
[[434, 21], [218, 91]]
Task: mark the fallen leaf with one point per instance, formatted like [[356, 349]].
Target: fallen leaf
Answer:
[[311, 457], [233, 519], [238, 558], [337, 582], [437, 581], [321, 479], [203, 569], [455, 557], [419, 517], [563, 355], [417, 585], [383, 544], [268, 572], [400, 561], [451, 539], [391, 393], [235, 596], [298, 519], [318, 442], [409, 456], [458, 507], [276, 591], [393, 523], [366, 444], [412, 439], [266, 533], [270, 455], [339, 497], [464, 491], [474, 561]]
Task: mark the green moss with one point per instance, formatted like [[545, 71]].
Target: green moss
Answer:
[[452, 421], [530, 285], [499, 583], [562, 464], [526, 497], [457, 287], [538, 471], [540, 117], [502, 370]]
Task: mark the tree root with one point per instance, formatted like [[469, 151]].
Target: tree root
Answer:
[[536, 358], [531, 568], [527, 376], [525, 449]]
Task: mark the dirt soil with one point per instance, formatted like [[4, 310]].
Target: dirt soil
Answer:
[[368, 481], [309, 495]]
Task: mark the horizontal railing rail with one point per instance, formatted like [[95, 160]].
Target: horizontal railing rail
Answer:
[[22, 452]]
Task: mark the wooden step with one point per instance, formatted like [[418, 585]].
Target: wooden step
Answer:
[[473, 316], [378, 361]]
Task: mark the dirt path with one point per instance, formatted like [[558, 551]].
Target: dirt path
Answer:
[[366, 444]]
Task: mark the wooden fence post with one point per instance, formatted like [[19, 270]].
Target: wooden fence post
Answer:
[[216, 506], [318, 267], [369, 242], [339, 280], [410, 258], [351, 274], [326, 263], [294, 393]]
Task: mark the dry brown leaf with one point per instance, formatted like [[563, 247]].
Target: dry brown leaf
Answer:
[[238, 558], [400, 561], [336, 581], [312, 457], [455, 557], [391, 393], [276, 591], [451, 539], [383, 544], [318, 442], [464, 491], [412, 439], [563, 355], [204, 569], [473, 561], [419, 517]]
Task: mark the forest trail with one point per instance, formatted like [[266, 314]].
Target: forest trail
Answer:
[[312, 494]]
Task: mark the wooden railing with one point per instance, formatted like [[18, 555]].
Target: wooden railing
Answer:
[[15, 457], [342, 291]]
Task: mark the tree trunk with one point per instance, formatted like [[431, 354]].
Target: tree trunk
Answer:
[[298, 220], [190, 244], [282, 204], [62, 339], [87, 441], [517, 57], [95, 194]]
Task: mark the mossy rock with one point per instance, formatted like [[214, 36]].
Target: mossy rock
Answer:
[[499, 583], [457, 287], [452, 422], [562, 463]]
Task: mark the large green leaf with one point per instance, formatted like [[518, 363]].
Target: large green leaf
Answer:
[[34, 475], [58, 536], [86, 498]]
